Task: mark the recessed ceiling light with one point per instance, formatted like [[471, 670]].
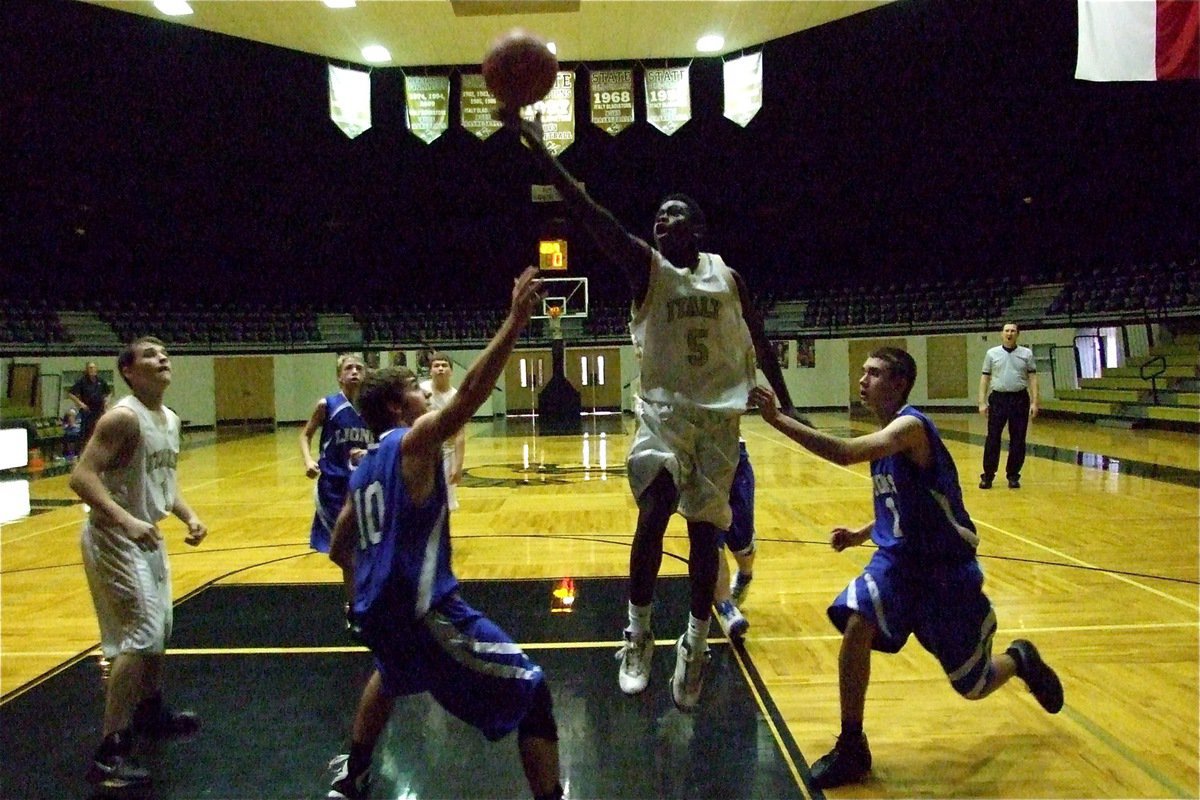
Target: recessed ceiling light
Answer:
[[710, 43], [339, 3], [376, 53], [173, 8]]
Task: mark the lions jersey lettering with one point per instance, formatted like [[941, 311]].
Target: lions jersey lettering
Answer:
[[343, 431], [920, 512]]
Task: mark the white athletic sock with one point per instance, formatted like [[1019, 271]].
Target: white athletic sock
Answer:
[[639, 619]]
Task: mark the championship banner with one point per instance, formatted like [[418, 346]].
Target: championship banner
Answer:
[[558, 113], [350, 100], [612, 100], [668, 98], [427, 105], [743, 88], [477, 107]]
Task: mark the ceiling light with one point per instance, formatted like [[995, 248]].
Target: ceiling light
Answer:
[[173, 8], [710, 43], [552, 47], [376, 53], [339, 3]]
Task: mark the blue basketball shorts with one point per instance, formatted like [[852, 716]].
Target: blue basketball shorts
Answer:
[[329, 495], [740, 537], [466, 661], [942, 604]]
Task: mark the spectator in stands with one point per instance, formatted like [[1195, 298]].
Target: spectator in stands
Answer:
[[91, 394], [1008, 395]]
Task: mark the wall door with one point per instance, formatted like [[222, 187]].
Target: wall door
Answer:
[[245, 388], [602, 388], [525, 374]]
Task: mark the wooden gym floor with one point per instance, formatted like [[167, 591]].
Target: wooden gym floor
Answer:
[[1095, 559]]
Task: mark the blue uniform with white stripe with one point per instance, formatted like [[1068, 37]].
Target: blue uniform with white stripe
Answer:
[[924, 579], [342, 431], [423, 635]]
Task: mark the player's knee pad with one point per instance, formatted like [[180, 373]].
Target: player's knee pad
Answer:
[[539, 720]]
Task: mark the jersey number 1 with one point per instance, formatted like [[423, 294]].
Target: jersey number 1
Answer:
[[368, 508]]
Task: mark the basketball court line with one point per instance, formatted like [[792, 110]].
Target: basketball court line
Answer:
[[787, 445]]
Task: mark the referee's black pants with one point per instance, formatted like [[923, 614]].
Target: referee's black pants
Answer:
[[1011, 409]]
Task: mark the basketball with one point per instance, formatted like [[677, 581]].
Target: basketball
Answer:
[[519, 69]]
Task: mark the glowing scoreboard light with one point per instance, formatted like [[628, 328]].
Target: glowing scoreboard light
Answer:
[[552, 254]]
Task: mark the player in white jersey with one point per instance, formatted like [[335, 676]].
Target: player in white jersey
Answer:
[[440, 395], [699, 335], [126, 474]]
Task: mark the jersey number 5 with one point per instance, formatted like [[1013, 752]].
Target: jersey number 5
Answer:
[[697, 349]]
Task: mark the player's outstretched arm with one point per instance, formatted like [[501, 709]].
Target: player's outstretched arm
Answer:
[[624, 249], [430, 430], [767, 360], [903, 434]]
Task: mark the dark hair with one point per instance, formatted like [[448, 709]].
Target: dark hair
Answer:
[[900, 365], [381, 387], [128, 354], [695, 213], [440, 356]]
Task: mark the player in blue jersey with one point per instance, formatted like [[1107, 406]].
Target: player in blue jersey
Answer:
[[924, 578], [344, 440], [392, 540]]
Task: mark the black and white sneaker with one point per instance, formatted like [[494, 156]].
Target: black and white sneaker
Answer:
[[344, 785], [1037, 674], [117, 772], [848, 762]]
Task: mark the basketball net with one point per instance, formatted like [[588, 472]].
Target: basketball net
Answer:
[[555, 321]]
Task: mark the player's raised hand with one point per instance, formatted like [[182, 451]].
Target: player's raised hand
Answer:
[[527, 288]]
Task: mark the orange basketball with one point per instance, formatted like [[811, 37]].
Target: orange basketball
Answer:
[[519, 69]]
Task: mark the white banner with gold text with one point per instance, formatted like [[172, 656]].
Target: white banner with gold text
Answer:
[[350, 100], [427, 105], [668, 98], [558, 113], [477, 107], [743, 88], [612, 100]]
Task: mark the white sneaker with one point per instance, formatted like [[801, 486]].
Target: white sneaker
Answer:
[[739, 588], [634, 655], [341, 787], [688, 679], [732, 623]]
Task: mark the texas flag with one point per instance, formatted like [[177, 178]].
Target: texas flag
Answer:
[[1138, 40]]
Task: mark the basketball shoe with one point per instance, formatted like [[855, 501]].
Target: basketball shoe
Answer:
[[113, 769], [731, 620], [739, 588], [1037, 674], [634, 655], [154, 720], [688, 680], [847, 762], [345, 786]]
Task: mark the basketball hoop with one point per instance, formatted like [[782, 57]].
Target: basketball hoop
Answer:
[[554, 315]]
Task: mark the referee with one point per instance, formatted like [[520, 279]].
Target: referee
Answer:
[[1008, 395]]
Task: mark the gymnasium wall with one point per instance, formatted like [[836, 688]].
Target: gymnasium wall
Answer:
[[302, 379]]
